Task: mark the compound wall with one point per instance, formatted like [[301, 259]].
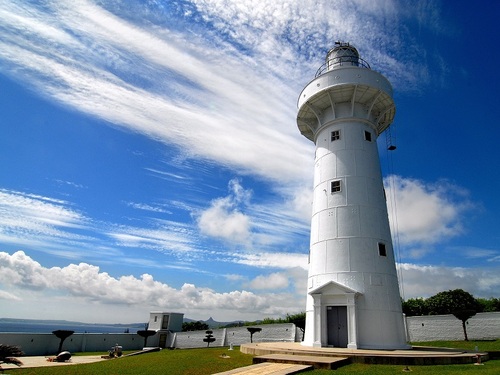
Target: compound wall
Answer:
[[482, 326]]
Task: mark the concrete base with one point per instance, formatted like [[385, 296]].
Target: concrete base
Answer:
[[417, 355]]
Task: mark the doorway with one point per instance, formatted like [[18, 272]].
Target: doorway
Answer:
[[336, 321]]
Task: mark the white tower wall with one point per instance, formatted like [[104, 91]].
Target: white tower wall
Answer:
[[353, 295]]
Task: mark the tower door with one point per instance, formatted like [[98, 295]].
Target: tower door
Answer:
[[336, 318]]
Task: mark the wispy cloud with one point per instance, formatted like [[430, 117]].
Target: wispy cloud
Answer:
[[29, 217], [154, 82], [148, 207]]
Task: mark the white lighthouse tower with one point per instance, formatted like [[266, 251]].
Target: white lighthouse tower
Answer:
[[353, 296]]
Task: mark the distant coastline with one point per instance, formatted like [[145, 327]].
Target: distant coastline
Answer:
[[9, 325]]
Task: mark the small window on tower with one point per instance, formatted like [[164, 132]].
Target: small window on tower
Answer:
[[382, 250], [368, 136], [335, 186], [335, 135]]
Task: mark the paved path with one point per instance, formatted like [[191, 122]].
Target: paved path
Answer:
[[40, 361]]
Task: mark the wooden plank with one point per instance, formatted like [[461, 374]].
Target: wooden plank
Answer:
[[268, 368]]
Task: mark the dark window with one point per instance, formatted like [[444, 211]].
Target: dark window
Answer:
[[335, 186], [164, 323], [382, 250], [368, 136], [335, 135]]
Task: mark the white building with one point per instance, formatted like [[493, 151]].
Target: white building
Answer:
[[353, 296], [165, 323]]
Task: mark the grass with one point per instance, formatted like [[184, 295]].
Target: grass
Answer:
[[484, 346], [488, 368], [172, 362], [211, 360]]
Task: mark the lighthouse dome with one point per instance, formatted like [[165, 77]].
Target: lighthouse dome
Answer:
[[342, 54]]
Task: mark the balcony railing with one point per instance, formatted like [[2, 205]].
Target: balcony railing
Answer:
[[342, 61]]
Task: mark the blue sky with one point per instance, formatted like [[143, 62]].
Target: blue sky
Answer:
[[150, 157]]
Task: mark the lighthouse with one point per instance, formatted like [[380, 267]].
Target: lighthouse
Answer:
[[353, 298]]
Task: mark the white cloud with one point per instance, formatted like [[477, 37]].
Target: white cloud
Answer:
[[273, 281], [88, 282], [425, 213], [148, 207], [273, 260], [426, 280], [223, 219], [189, 87], [8, 296], [30, 219], [205, 94]]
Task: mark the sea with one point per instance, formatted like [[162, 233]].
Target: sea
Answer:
[[48, 326]]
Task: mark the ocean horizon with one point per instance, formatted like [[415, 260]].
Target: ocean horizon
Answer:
[[8, 325]]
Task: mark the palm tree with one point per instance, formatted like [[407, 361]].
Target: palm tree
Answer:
[[7, 354]]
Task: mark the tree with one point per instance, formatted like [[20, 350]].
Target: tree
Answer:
[[62, 334], [194, 326], [415, 307], [489, 305], [458, 302], [7, 354], [299, 320], [209, 338], [252, 330], [146, 333]]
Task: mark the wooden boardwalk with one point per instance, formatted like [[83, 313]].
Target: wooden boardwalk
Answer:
[[268, 368]]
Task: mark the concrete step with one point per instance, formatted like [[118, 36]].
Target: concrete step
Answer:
[[319, 362], [268, 368]]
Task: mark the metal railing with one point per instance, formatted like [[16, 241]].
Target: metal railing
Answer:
[[342, 61]]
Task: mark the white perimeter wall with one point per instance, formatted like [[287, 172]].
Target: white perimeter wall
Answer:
[[482, 326], [237, 336], [47, 343]]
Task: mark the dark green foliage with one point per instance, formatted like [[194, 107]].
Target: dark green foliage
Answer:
[[9, 351], [194, 326], [253, 330], [458, 302], [209, 338], [62, 334], [489, 305], [145, 334], [415, 307], [452, 301], [7, 354], [299, 320]]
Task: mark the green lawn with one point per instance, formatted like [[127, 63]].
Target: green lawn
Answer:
[[172, 362], [212, 360], [488, 368]]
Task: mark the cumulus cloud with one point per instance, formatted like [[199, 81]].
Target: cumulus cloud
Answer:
[[90, 283], [427, 280], [425, 213], [223, 219], [274, 281], [8, 296]]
